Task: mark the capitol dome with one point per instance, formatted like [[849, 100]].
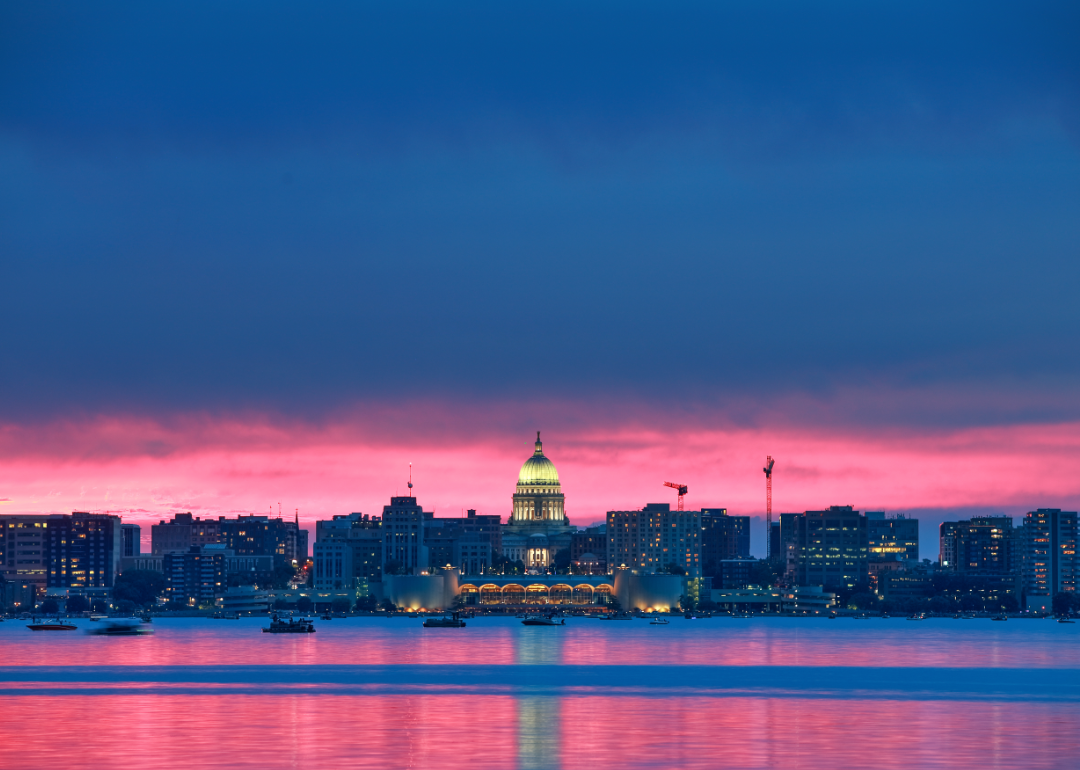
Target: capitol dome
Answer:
[[538, 470]]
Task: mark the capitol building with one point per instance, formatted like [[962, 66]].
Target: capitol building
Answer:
[[538, 527]]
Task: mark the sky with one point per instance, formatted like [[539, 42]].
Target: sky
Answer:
[[262, 253]]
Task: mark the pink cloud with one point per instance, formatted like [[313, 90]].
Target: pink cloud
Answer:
[[469, 458]]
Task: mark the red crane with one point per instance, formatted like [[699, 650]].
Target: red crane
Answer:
[[680, 487], [768, 505]]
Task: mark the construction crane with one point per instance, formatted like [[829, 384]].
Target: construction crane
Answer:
[[768, 505], [680, 487]]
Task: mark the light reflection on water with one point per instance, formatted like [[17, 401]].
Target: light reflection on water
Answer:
[[388, 694]]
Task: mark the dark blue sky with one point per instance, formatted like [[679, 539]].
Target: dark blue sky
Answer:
[[297, 208]]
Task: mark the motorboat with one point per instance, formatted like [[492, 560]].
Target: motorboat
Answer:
[[291, 626], [918, 616], [1000, 617], [452, 620], [121, 627], [327, 616], [221, 615], [659, 622], [52, 625], [1065, 619], [539, 620], [96, 616]]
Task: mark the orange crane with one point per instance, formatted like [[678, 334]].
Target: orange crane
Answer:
[[768, 505], [680, 487]]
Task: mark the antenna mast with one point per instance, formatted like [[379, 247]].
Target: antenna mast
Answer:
[[410, 480], [768, 505]]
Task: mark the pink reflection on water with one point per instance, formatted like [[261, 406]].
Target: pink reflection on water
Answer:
[[476, 732], [504, 641]]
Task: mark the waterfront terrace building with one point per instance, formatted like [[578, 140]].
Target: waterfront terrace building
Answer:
[[653, 538], [1049, 556], [831, 549]]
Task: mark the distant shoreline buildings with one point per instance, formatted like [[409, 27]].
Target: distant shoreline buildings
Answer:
[[650, 558]]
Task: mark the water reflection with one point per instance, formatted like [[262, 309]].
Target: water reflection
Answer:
[[504, 641], [477, 732]]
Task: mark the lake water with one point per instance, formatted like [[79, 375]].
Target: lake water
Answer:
[[386, 693]]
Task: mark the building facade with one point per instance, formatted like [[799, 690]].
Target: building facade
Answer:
[[196, 576], [130, 540], [654, 538], [1049, 566], [723, 537], [403, 529], [892, 538], [831, 549], [84, 550]]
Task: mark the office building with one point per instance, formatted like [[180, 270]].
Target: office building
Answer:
[[588, 550], [403, 530], [130, 540], [982, 545], [83, 550], [654, 538], [723, 537], [892, 538], [244, 535], [947, 544], [1049, 564], [24, 550], [195, 576], [831, 549], [362, 535]]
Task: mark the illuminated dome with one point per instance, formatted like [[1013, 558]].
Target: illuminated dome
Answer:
[[538, 470]]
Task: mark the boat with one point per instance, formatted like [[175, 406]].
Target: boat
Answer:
[[291, 626], [52, 625], [221, 615], [327, 616], [96, 616], [1065, 619], [659, 622], [121, 627], [539, 620], [918, 616], [452, 620], [832, 616], [1000, 617]]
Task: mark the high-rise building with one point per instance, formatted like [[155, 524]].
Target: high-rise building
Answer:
[[196, 575], [831, 549], [892, 538], [723, 537], [403, 530], [654, 538], [24, 559], [986, 545], [245, 535], [362, 536], [183, 531], [1049, 556], [83, 550], [947, 544], [130, 540], [588, 549]]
